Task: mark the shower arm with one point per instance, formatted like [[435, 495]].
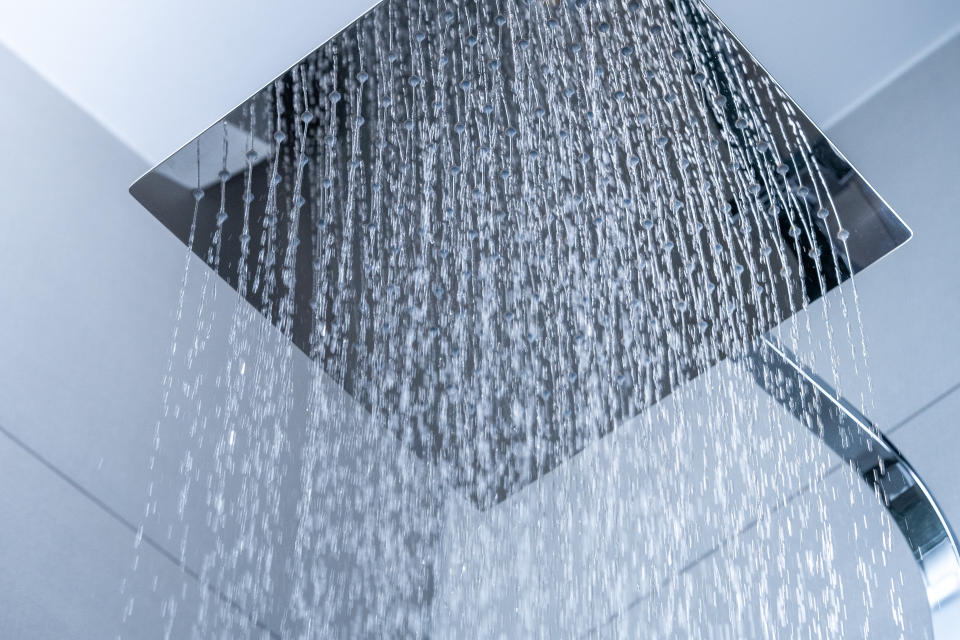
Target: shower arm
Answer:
[[849, 434]]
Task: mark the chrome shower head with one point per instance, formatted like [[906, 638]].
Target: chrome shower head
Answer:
[[358, 150]]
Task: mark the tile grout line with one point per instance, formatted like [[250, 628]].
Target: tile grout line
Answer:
[[891, 78], [127, 524], [943, 395]]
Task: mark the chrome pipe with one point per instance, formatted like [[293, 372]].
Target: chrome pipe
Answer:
[[853, 437]]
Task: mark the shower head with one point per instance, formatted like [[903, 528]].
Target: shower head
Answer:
[[288, 163]]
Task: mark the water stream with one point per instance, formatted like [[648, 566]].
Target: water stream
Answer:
[[483, 375]]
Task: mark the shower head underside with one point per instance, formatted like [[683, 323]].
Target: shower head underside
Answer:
[[480, 134], [300, 161]]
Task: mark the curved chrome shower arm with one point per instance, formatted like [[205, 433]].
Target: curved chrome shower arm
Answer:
[[860, 443]]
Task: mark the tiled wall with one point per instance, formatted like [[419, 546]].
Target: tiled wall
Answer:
[[91, 281]]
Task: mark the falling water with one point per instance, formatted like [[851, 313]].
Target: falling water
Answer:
[[512, 255]]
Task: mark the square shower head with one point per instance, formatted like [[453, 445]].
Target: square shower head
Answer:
[[506, 226]]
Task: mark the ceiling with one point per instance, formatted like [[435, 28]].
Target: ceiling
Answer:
[[156, 74]]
